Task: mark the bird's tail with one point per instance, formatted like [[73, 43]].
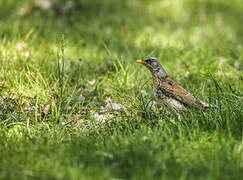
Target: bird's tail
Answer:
[[206, 106]]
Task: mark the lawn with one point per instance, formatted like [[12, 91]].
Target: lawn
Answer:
[[75, 105]]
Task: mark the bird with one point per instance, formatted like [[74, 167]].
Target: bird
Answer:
[[168, 92]]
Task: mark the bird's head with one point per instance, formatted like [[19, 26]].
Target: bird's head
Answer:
[[153, 64]]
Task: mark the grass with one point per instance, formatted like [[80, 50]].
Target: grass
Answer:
[[59, 68]]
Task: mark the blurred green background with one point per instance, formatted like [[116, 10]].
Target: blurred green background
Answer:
[[65, 65]]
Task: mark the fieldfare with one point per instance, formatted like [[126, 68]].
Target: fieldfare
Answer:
[[170, 94]]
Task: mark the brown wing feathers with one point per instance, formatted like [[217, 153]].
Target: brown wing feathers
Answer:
[[175, 91]]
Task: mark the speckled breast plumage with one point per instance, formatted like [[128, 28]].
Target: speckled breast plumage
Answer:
[[165, 99]]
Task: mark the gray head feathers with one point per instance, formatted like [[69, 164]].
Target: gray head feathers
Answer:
[[153, 64]]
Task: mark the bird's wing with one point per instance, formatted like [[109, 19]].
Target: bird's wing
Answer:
[[174, 90]]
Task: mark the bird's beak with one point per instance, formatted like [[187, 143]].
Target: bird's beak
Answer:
[[140, 61]]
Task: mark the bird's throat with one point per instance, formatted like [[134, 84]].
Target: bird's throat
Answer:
[[160, 73]]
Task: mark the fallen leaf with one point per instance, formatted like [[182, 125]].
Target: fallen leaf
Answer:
[[102, 117], [20, 46], [46, 110], [24, 10]]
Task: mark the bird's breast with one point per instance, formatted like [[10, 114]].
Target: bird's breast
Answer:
[[169, 101]]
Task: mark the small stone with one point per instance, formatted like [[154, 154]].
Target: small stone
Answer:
[[92, 82], [144, 92], [43, 4], [81, 98], [100, 117]]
